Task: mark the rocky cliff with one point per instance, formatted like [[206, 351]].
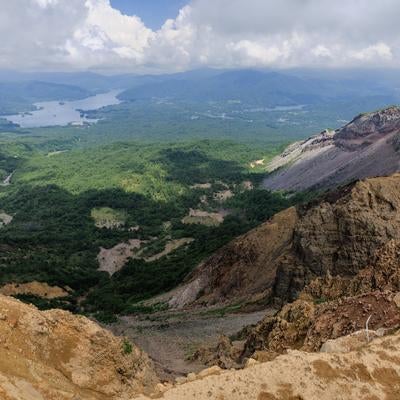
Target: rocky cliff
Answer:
[[367, 146], [328, 308], [336, 235], [54, 355]]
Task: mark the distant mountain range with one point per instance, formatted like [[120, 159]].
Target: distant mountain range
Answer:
[[19, 96], [261, 88], [268, 88]]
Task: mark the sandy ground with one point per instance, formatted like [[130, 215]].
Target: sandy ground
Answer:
[[170, 338]]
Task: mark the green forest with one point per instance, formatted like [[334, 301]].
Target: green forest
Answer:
[[56, 197]]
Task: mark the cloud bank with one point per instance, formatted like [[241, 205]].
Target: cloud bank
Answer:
[[90, 34]]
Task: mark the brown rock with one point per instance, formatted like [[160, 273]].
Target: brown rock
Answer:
[[56, 355]]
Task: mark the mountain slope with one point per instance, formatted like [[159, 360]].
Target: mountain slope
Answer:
[[19, 96], [371, 372], [337, 234], [56, 355], [367, 146]]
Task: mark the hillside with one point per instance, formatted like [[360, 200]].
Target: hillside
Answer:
[[367, 146], [337, 257], [337, 234], [155, 210], [56, 355], [19, 96]]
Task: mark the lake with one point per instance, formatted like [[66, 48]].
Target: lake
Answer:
[[63, 113]]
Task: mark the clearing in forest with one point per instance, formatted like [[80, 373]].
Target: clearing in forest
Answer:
[[109, 218]]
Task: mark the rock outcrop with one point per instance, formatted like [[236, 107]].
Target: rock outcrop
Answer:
[[328, 308], [55, 355], [367, 146], [334, 236], [243, 269]]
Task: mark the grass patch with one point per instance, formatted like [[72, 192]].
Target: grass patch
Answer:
[[106, 217], [127, 347]]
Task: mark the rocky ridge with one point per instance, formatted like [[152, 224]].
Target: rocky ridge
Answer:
[[367, 146]]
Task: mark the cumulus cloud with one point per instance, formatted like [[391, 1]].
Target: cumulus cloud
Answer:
[[90, 34]]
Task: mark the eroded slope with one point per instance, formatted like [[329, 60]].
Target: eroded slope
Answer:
[[338, 235], [55, 355]]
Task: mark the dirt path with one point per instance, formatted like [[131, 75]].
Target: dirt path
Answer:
[[170, 338]]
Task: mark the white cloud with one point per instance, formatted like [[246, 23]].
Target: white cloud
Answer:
[[321, 51], [378, 51], [90, 34]]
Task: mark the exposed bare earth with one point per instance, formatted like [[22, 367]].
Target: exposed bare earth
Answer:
[[205, 217], [223, 195], [5, 219], [55, 355], [112, 260], [371, 372], [171, 246], [39, 289], [367, 146], [242, 269], [7, 180], [328, 308], [257, 163], [108, 218], [201, 186]]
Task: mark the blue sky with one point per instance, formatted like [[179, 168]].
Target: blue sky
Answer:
[[152, 12]]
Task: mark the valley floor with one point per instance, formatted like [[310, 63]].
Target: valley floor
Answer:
[[169, 338]]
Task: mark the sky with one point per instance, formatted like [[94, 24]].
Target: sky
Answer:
[[152, 12], [157, 36]]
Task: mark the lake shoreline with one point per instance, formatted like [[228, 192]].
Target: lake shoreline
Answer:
[[64, 113]]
